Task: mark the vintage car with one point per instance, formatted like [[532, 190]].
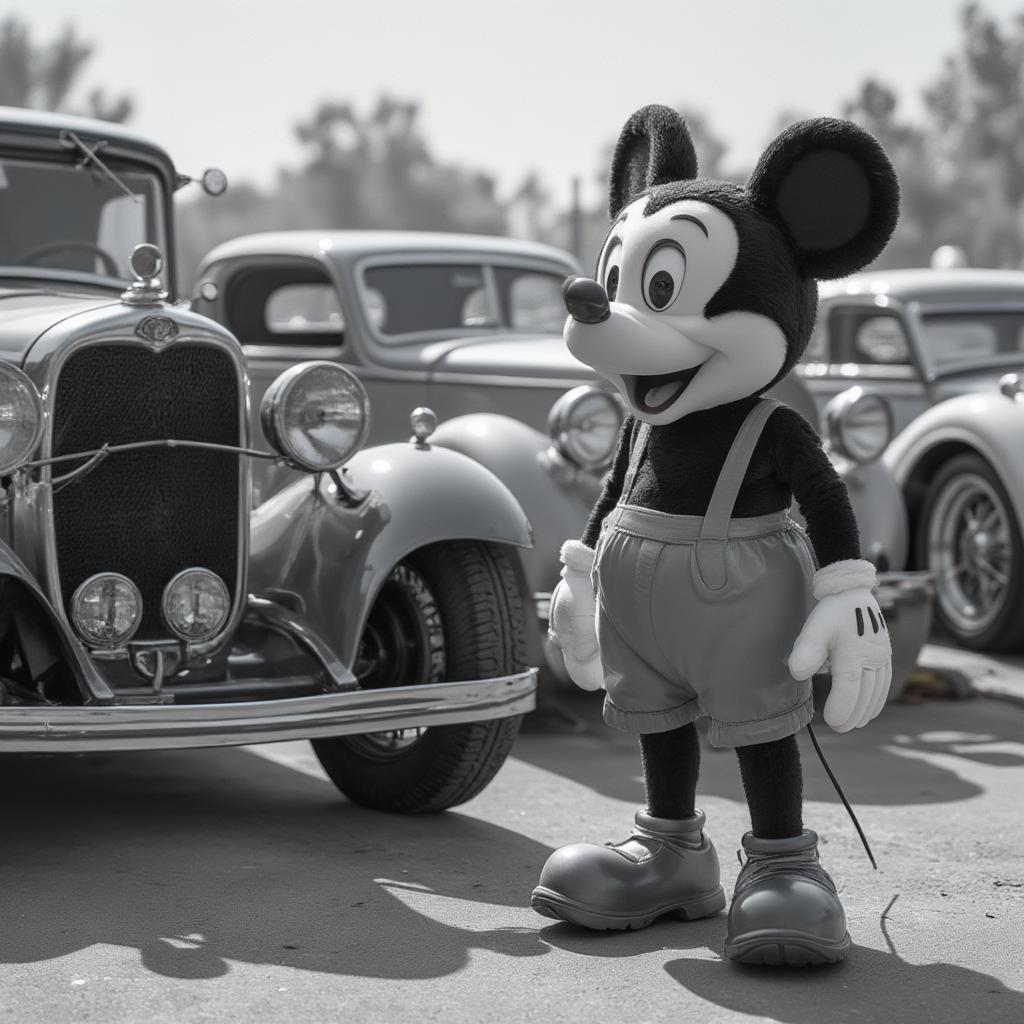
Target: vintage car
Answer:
[[471, 327], [374, 606], [944, 347]]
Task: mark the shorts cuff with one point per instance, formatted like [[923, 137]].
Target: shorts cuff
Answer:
[[650, 721], [778, 727]]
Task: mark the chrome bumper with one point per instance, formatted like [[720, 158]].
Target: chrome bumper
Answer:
[[159, 726]]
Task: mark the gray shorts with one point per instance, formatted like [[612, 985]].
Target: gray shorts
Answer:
[[691, 628]]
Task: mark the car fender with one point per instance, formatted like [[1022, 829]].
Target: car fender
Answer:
[[988, 422], [336, 556], [880, 511], [92, 686], [556, 495]]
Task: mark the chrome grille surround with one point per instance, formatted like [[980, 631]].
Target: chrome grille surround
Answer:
[[35, 527]]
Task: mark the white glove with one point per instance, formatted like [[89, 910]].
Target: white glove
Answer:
[[846, 629], [572, 625]]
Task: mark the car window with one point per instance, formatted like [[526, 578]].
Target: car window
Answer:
[[304, 309], [531, 300], [867, 337], [69, 217], [881, 339], [410, 299], [288, 304], [966, 337]]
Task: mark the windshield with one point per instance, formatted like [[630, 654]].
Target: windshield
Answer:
[[403, 301], [950, 338], [59, 217]]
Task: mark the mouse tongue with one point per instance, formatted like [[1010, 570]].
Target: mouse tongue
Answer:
[[662, 393], [656, 392]]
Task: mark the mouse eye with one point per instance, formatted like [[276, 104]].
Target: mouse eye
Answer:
[[612, 268], [663, 275]]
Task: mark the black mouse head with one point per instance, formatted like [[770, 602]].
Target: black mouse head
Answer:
[[705, 290]]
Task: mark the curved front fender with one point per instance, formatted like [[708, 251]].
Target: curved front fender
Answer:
[[556, 496], [337, 557], [91, 684], [880, 510], [988, 422]]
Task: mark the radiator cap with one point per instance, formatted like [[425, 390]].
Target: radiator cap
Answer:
[[146, 262]]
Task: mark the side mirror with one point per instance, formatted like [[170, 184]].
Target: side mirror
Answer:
[[213, 181]]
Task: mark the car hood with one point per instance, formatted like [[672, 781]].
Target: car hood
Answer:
[[25, 315], [544, 357], [981, 378]]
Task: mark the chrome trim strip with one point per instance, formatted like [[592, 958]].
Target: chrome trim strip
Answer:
[[507, 381], [44, 364], [857, 371], [165, 726]]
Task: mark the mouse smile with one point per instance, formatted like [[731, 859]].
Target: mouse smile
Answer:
[[653, 393]]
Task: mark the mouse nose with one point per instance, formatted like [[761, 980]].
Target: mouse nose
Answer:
[[585, 300]]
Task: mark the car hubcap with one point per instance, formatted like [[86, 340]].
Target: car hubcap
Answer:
[[970, 552]]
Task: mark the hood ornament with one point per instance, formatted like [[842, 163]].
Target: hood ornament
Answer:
[[146, 262]]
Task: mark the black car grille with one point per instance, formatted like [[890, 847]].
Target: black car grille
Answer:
[[151, 513]]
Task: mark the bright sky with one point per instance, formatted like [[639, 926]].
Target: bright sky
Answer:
[[504, 86]]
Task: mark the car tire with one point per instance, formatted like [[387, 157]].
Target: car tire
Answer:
[[968, 537], [451, 611]]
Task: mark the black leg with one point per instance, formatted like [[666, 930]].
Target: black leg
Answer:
[[773, 782], [671, 766]]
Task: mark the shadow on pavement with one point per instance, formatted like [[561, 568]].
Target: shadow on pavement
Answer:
[[887, 763], [199, 858], [872, 987]]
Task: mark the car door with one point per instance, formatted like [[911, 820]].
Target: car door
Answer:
[[867, 345]]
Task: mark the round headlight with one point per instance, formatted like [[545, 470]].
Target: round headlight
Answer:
[[316, 415], [859, 424], [106, 610], [584, 425], [196, 605], [21, 418]]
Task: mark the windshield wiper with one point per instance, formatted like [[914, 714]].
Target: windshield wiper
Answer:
[[71, 140]]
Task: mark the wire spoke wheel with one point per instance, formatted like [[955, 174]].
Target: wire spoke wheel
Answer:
[[969, 539]]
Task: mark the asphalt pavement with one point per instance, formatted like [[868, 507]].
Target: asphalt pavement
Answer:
[[236, 885]]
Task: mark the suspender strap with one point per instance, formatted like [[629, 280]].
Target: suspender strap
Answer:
[[636, 453], [709, 561], [730, 479]]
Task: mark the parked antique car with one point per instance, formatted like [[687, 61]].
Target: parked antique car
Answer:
[[471, 327], [374, 605], [944, 346]]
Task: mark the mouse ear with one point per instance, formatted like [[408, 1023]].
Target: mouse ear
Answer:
[[833, 189], [654, 148]]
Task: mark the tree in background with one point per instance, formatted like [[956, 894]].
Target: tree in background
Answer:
[[977, 129], [372, 170], [43, 76]]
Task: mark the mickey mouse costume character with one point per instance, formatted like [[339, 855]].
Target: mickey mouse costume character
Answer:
[[692, 592]]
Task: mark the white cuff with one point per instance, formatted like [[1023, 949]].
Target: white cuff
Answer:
[[850, 574], [576, 556]]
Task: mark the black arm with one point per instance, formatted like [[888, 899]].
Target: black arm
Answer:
[[803, 465], [612, 489]]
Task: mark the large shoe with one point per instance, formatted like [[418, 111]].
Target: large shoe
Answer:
[[785, 910], [664, 867]]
